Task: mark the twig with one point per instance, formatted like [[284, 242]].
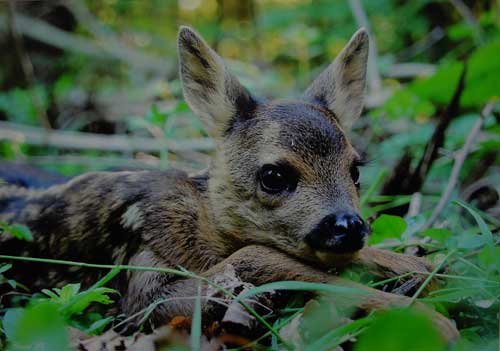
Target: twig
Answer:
[[467, 14], [457, 166], [88, 20], [405, 180], [423, 44], [26, 66], [91, 141], [415, 204], [105, 36], [430, 277], [375, 84], [48, 34], [97, 162], [409, 70]]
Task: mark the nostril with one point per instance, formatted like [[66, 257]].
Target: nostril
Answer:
[[349, 222], [342, 222], [340, 232]]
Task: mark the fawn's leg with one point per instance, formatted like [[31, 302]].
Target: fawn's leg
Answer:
[[260, 265], [389, 264], [386, 264]]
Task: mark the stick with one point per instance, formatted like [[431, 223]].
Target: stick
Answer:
[[101, 162], [26, 66], [405, 180], [415, 205], [48, 34], [90, 141], [410, 70], [423, 44], [457, 166], [362, 20], [467, 14]]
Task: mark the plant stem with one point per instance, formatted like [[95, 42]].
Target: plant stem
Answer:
[[430, 276]]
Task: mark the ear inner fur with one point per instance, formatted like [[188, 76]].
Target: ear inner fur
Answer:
[[340, 87], [211, 91]]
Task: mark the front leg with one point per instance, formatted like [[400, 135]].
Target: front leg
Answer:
[[388, 264], [260, 265]]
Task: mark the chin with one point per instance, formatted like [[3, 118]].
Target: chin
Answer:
[[336, 260], [327, 259]]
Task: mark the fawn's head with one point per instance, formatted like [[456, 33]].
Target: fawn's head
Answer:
[[284, 173]]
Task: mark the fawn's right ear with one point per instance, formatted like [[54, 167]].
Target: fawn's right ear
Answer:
[[211, 91]]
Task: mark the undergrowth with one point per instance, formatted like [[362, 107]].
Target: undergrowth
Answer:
[[468, 274]]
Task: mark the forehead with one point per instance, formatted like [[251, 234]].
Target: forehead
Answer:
[[305, 129]]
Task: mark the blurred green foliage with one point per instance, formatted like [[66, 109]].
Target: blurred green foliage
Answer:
[[278, 46]]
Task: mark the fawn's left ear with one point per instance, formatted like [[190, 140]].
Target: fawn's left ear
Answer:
[[340, 87], [211, 91]]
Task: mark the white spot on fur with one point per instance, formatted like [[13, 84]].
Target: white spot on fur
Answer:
[[132, 218]]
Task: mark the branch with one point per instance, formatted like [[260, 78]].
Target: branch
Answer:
[[109, 162], [362, 20], [404, 180], [457, 166], [410, 70], [467, 14], [90, 141], [41, 31], [26, 66], [423, 44]]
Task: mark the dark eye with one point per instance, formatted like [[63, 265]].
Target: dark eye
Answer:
[[355, 175], [275, 179]]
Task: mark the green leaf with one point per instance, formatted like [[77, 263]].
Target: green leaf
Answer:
[[482, 83], [71, 301], [21, 232], [81, 301], [440, 87], [387, 227], [438, 234], [37, 327], [18, 231], [401, 329], [489, 258], [68, 292], [5, 267], [406, 103], [10, 321], [154, 116], [340, 334], [486, 232], [98, 326], [50, 294]]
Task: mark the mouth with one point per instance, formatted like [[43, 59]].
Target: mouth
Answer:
[[341, 244], [329, 258], [335, 260]]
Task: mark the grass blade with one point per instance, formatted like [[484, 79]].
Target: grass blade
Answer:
[[301, 286], [196, 323]]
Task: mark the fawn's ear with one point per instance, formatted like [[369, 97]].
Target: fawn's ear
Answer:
[[211, 91], [340, 87]]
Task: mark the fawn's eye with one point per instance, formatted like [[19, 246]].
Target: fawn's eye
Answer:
[[355, 175], [275, 179]]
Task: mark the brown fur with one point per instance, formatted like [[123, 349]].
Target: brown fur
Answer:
[[204, 223]]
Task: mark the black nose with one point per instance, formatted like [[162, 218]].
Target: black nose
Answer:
[[339, 233]]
